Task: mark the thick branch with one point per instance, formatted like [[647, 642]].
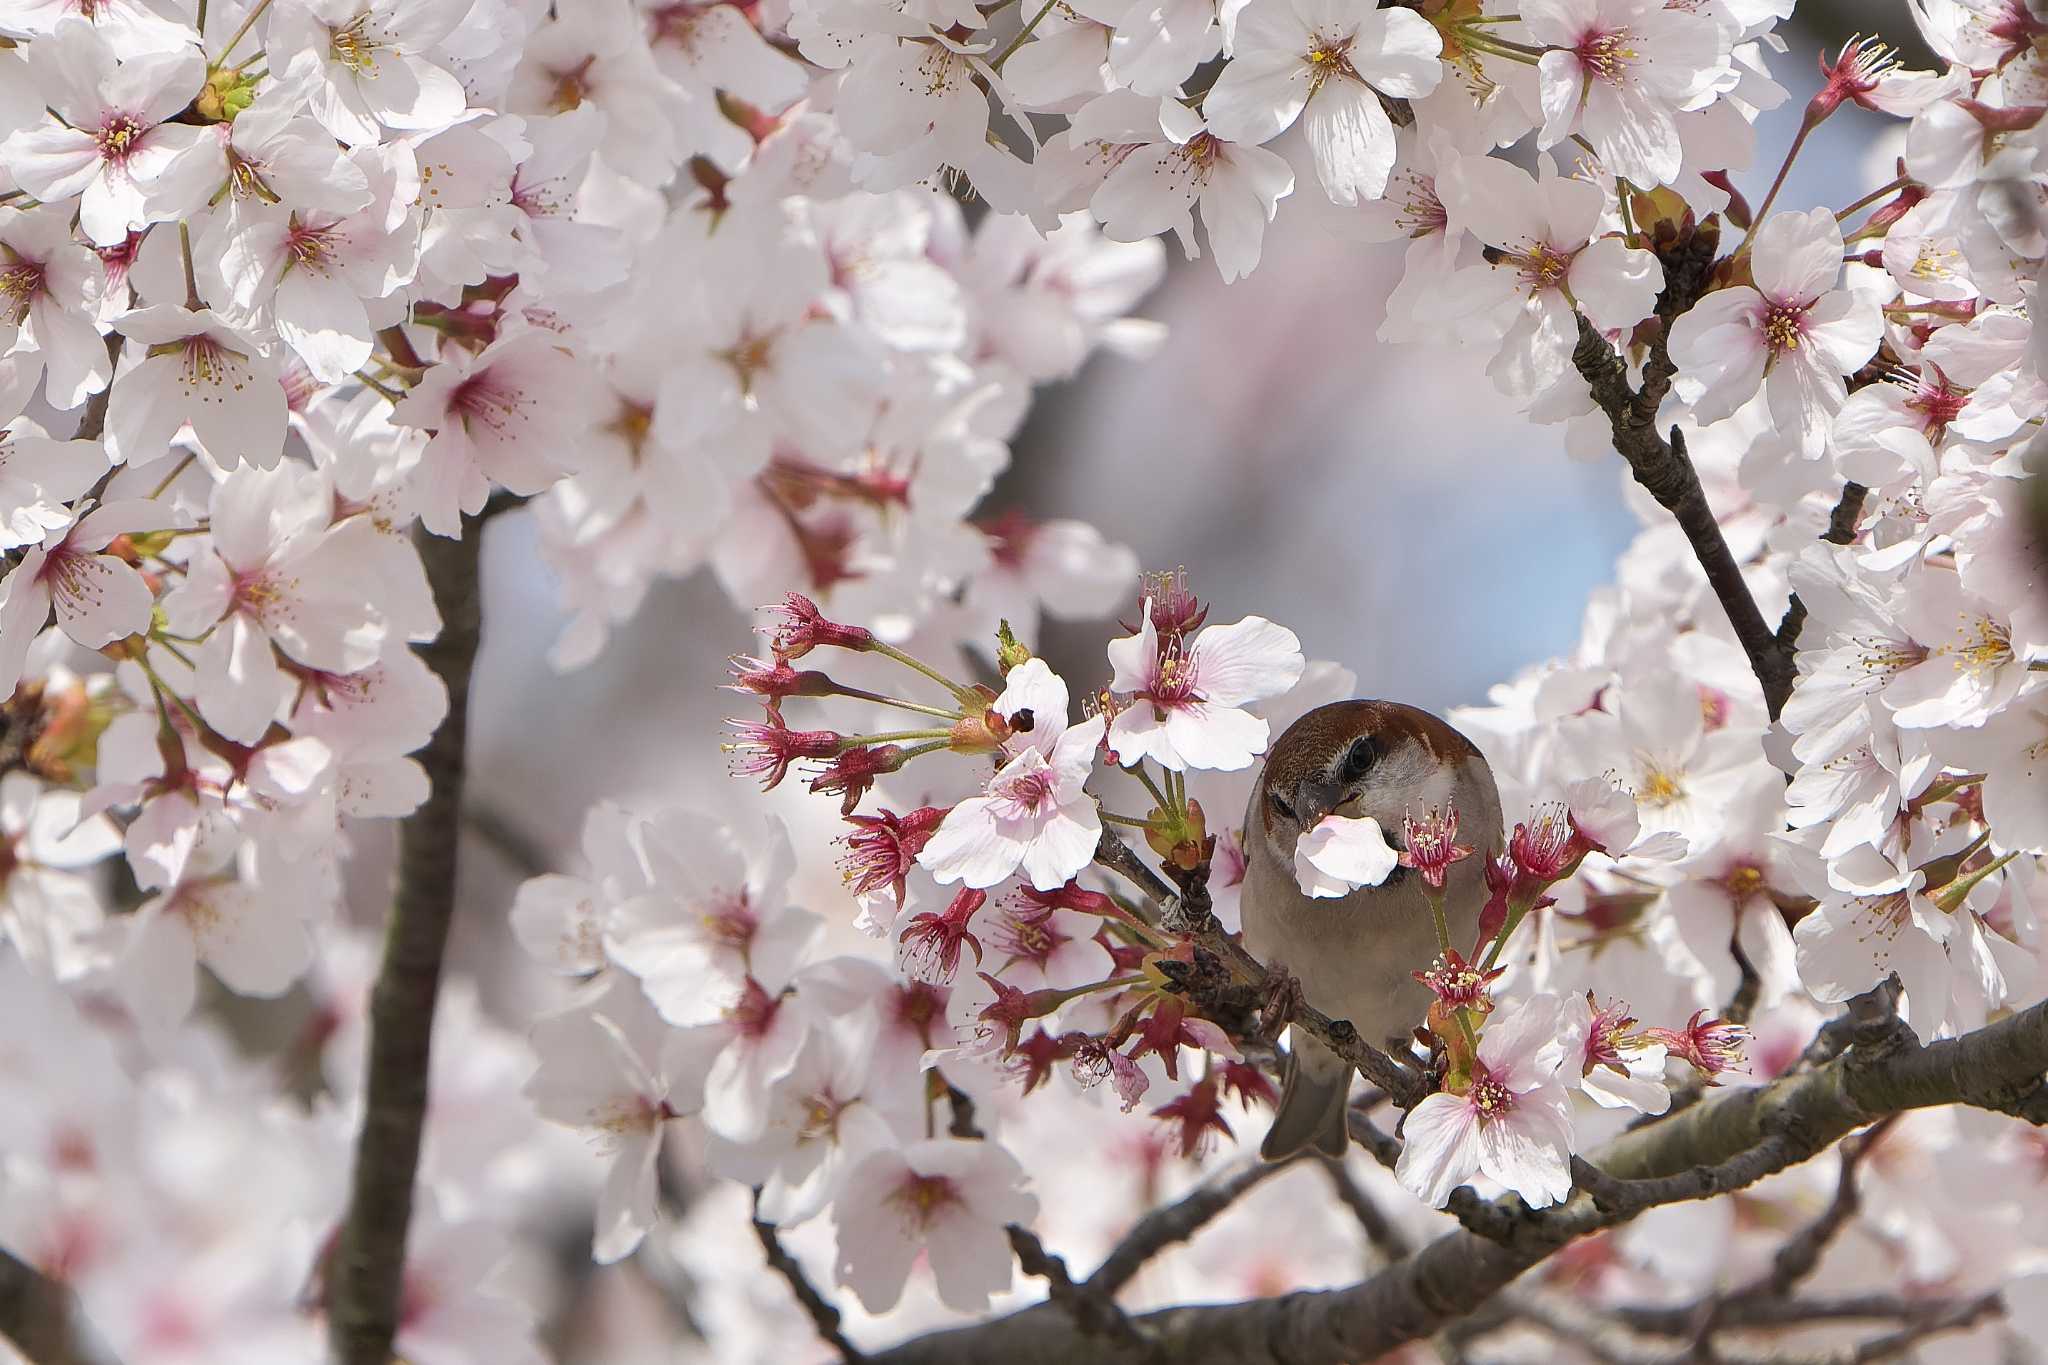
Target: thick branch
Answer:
[[368, 1270], [40, 1317], [1745, 1134]]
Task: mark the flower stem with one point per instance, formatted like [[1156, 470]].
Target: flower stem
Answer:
[[964, 693], [1501, 47], [1436, 910], [1022, 34], [1871, 198], [862, 694], [1806, 126], [389, 395], [1129, 820], [892, 736], [243, 31], [172, 477], [191, 279], [1158, 796]]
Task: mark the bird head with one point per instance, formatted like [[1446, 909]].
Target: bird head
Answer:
[[1368, 758]]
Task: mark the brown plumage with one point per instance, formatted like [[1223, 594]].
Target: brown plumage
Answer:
[[1353, 955]]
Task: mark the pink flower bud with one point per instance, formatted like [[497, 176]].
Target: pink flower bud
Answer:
[[884, 847], [766, 750], [801, 628], [852, 773], [1458, 983], [931, 943], [1710, 1048]]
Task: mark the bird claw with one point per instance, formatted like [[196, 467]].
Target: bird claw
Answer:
[[1283, 1001]]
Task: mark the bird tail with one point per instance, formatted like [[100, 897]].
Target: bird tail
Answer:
[[1314, 1091]]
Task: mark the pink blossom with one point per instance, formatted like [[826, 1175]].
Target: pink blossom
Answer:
[[1513, 1124], [1796, 333], [1186, 702]]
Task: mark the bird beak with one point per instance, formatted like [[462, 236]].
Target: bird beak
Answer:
[[1314, 798]]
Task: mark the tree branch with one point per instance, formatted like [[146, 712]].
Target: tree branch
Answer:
[[1384, 1236], [1177, 1222], [1188, 912], [40, 1317], [1606, 1338], [1666, 472], [368, 1270], [1731, 1135], [1093, 1307], [822, 1314]]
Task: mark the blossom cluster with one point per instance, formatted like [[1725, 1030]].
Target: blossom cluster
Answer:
[[286, 285]]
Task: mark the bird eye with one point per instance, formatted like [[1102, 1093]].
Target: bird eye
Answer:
[[1359, 758], [1280, 805]]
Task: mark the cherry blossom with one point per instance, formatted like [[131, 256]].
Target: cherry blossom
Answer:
[[364, 63], [606, 1068], [1620, 71], [950, 1198], [1033, 814], [108, 138], [1327, 64], [277, 574], [197, 370], [1550, 265], [1796, 332], [1165, 164], [1186, 707], [98, 597], [1513, 1125], [502, 418]]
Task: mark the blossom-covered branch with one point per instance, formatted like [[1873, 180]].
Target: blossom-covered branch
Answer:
[[1727, 1142]]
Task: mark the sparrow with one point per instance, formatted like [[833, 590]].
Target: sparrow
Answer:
[[1353, 955]]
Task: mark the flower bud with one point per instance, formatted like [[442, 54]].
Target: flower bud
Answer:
[[227, 92], [852, 773], [1009, 653], [801, 628]]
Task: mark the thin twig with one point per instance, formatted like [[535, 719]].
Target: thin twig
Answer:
[[1093, 1307], [823, 1315], [1188, 912], [1796, 1259], [1381, 1233], [521, 852], [1177, 1222], [1608, 1340], [367, 1280]]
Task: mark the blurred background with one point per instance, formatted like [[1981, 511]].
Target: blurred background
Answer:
[[1381, 501]]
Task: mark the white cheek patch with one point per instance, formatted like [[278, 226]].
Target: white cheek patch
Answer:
[[1406, 782]]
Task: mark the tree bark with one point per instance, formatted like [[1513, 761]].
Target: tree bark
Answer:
[[367, 1273]]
